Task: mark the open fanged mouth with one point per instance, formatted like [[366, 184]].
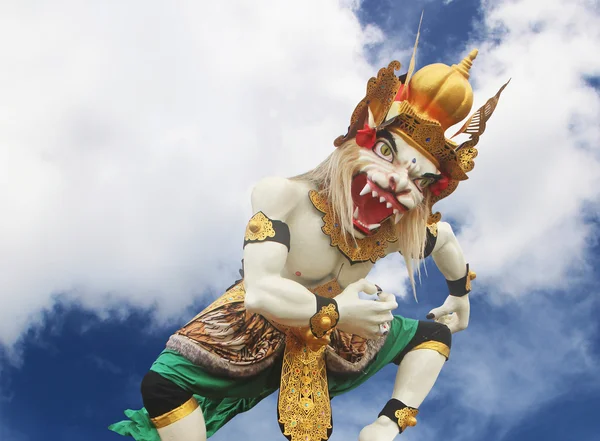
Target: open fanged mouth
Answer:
[[373, 205]]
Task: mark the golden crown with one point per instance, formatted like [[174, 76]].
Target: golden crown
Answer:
[[420, 108]]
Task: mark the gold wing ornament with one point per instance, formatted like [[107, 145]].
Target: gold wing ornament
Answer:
[[475, 125]]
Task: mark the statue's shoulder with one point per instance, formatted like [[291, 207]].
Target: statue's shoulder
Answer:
[[277, 196]]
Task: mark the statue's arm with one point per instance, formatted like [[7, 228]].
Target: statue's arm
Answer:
[[267, 292], [447, 253], [449, 258]]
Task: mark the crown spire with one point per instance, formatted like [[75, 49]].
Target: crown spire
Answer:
[[465, 65]]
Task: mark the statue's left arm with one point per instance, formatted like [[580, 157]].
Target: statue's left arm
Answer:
[[448, 256]]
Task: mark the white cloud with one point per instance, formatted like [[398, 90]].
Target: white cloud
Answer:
[[132, 133]]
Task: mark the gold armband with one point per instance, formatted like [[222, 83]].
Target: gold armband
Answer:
[[260, 229]]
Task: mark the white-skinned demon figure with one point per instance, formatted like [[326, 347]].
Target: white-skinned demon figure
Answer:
[[295, 321]]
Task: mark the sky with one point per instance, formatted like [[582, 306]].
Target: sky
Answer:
[[131, 134]]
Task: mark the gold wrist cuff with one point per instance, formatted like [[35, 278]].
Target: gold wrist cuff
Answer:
[[461, 286], [470, 276], [406, 417], [324, 320]]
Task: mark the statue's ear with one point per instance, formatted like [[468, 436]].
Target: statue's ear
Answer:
[[366, 118], [367, 135], [370, 119]]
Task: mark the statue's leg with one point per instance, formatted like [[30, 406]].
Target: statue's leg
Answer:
[[174, 412], [419, 368]]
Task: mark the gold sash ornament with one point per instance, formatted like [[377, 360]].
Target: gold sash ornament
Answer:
[[304, 407]]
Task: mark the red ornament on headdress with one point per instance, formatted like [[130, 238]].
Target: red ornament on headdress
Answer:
[[439, 186], [366, 137]]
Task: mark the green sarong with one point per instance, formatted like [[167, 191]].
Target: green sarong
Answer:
[[222, 398]]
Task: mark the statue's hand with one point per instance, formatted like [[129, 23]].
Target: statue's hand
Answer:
[[364, 317], [454, 313]]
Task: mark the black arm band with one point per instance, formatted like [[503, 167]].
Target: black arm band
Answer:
[[326, 317], [462, 286], [429, 243], [261, 229]]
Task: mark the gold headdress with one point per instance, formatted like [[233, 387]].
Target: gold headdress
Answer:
[[420, 108]]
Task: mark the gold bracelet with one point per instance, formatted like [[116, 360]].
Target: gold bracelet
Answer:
[[326, 318]]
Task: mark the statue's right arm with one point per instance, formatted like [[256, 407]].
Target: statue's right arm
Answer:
[[267, 292]]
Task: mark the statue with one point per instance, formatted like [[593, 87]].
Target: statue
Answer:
[[295, 321]]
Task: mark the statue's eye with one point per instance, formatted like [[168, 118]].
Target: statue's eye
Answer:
[[384, 151], [424, 182]]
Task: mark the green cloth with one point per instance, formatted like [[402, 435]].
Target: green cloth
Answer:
[[222, 398]]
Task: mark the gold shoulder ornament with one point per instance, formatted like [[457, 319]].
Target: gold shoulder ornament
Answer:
[[259, 228]]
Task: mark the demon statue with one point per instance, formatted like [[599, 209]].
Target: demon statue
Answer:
[[295, 321]]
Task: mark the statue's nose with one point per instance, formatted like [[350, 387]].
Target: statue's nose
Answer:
[[397, 182], [392, 183]]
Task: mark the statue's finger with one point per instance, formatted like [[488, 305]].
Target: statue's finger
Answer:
[[436, 313]]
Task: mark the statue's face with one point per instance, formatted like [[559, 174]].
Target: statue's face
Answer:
[[391, 181]]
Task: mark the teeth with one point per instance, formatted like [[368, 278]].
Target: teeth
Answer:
[[373, 226], [396, 211], [365, 190], [397, 219], [388, 205], [382, 199], [356, 213], [374, 194]]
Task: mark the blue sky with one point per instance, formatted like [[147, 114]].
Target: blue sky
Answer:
[[113, 234]]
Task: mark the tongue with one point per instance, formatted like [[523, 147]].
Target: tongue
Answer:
[[370, 210]]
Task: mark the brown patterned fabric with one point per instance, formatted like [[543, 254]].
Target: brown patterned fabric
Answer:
[[350, 347], [226, 332]]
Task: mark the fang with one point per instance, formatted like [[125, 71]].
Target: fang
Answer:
[[388, 205], [375, 194], [356, 213], [397, 219], [373, 226], [381, 199], [365, 190]]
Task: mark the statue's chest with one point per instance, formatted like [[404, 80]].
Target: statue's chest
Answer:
[[311, 256], [319, 249]]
